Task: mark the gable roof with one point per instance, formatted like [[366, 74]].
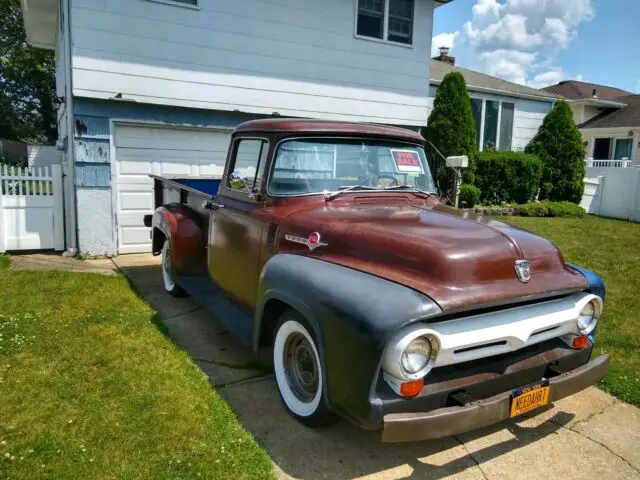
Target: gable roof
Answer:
[[629, 116], [481, 82], [575, 90]]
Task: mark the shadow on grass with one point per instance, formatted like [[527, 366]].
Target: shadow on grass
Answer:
[[339, 452]]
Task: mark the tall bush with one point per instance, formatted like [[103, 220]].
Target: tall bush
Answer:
[[452, 130], [508, 177], [558, 143]]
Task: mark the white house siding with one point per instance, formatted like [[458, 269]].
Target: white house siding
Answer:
[[527, 117], [294, 57]]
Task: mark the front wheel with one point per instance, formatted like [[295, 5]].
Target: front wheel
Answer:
[[168, 280], [299, 371]]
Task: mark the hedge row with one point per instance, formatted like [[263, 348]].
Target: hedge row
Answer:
[[511, 177], [545, 208]]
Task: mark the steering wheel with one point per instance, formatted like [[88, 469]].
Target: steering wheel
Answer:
[[391, 181]]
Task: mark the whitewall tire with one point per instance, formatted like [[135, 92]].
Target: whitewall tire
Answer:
[[299, 371], [168, 279]]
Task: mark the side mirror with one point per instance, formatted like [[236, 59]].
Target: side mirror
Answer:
[[237, 181], [461, 161]]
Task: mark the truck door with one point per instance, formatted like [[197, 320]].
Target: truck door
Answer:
[[235, 232]]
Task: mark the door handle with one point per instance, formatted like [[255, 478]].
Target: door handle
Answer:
[[211, 205]]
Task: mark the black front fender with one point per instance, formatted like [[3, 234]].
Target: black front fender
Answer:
[[353, 314]]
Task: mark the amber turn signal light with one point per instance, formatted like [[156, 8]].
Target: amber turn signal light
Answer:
[[580, 342], [411, 389]]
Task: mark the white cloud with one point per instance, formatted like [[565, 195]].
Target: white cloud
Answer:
[[511, 65], [443, 40], [519, 40], [547, 78], [580, 78]]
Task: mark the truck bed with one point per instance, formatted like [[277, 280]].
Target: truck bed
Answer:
[[179, 189]]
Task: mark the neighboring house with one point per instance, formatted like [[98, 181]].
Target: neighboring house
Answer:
[[508, 115], [157, 86], [609, 120]]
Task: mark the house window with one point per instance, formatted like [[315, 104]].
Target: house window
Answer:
[[506, 126], [388, 20], [494, 123], [612, 148], [490, 139]]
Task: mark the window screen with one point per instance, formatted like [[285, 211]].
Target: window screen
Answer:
[[490, 125], [506, 126], [371, 18], [400, 21]]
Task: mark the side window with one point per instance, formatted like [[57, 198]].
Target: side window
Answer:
[[249, 162]]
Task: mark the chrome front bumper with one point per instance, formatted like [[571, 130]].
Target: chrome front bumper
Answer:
[[408, 427]]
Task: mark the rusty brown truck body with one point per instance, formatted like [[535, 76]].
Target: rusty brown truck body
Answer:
[[327, 244]]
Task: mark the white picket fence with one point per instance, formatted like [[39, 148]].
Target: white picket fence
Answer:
[[31, 208]]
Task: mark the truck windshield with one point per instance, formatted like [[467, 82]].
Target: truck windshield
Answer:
[[307, 166]]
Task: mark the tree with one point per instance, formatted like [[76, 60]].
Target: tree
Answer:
[[27, 79], [451, 129], [558, 143]]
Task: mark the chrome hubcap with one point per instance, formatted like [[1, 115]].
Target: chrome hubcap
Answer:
[[301, 367]]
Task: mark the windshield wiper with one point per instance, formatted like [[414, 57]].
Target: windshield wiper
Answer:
[[344, 189], [412, 188]]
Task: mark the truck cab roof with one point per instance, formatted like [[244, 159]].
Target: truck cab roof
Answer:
[[309, 126]]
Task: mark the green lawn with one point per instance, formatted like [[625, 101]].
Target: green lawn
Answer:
[[611, 248], [90, 388], [5, 261]]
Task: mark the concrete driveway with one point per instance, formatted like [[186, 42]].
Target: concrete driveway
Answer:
[[588, 435]]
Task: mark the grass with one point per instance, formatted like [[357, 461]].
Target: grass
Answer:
[[90, 388], [611, 248], [5, 261]]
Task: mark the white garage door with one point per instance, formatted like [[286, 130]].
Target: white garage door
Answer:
[[142, 150]]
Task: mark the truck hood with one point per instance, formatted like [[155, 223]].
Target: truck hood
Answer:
[[459, 259]]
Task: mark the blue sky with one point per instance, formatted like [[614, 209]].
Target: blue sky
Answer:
[[540, 42]]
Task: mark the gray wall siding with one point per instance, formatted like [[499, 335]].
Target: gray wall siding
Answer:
[[93, 157], [296, 57]]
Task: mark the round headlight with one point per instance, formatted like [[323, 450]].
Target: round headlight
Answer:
[[416, 356], [588, 318]]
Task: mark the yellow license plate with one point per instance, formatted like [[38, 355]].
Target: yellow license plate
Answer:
[[529, 398]]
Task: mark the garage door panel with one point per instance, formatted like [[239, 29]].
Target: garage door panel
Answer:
[[141, 150], [136, 200], [136, 236]]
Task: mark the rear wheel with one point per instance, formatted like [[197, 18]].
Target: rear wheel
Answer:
[[168, 280], [299, 371]]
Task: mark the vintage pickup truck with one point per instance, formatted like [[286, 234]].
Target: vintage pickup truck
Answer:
[[326, 243]]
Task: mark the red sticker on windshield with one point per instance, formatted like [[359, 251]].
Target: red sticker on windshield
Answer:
[[407, 161]]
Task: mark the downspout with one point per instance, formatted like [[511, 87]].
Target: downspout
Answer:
[[72, 208]]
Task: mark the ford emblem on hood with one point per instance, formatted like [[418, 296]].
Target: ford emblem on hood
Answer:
[[523, 270]]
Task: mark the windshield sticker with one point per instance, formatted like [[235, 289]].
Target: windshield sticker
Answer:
[[407, 161]]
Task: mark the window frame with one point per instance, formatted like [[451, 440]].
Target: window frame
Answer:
[[179, 3], [612, 146], [483, 109], [272, 164], [385, 26], [263, 155]]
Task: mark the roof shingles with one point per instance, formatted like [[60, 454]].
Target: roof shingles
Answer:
[[481, 82]]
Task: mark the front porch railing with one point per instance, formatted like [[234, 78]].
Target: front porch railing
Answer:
[[624, 163]]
